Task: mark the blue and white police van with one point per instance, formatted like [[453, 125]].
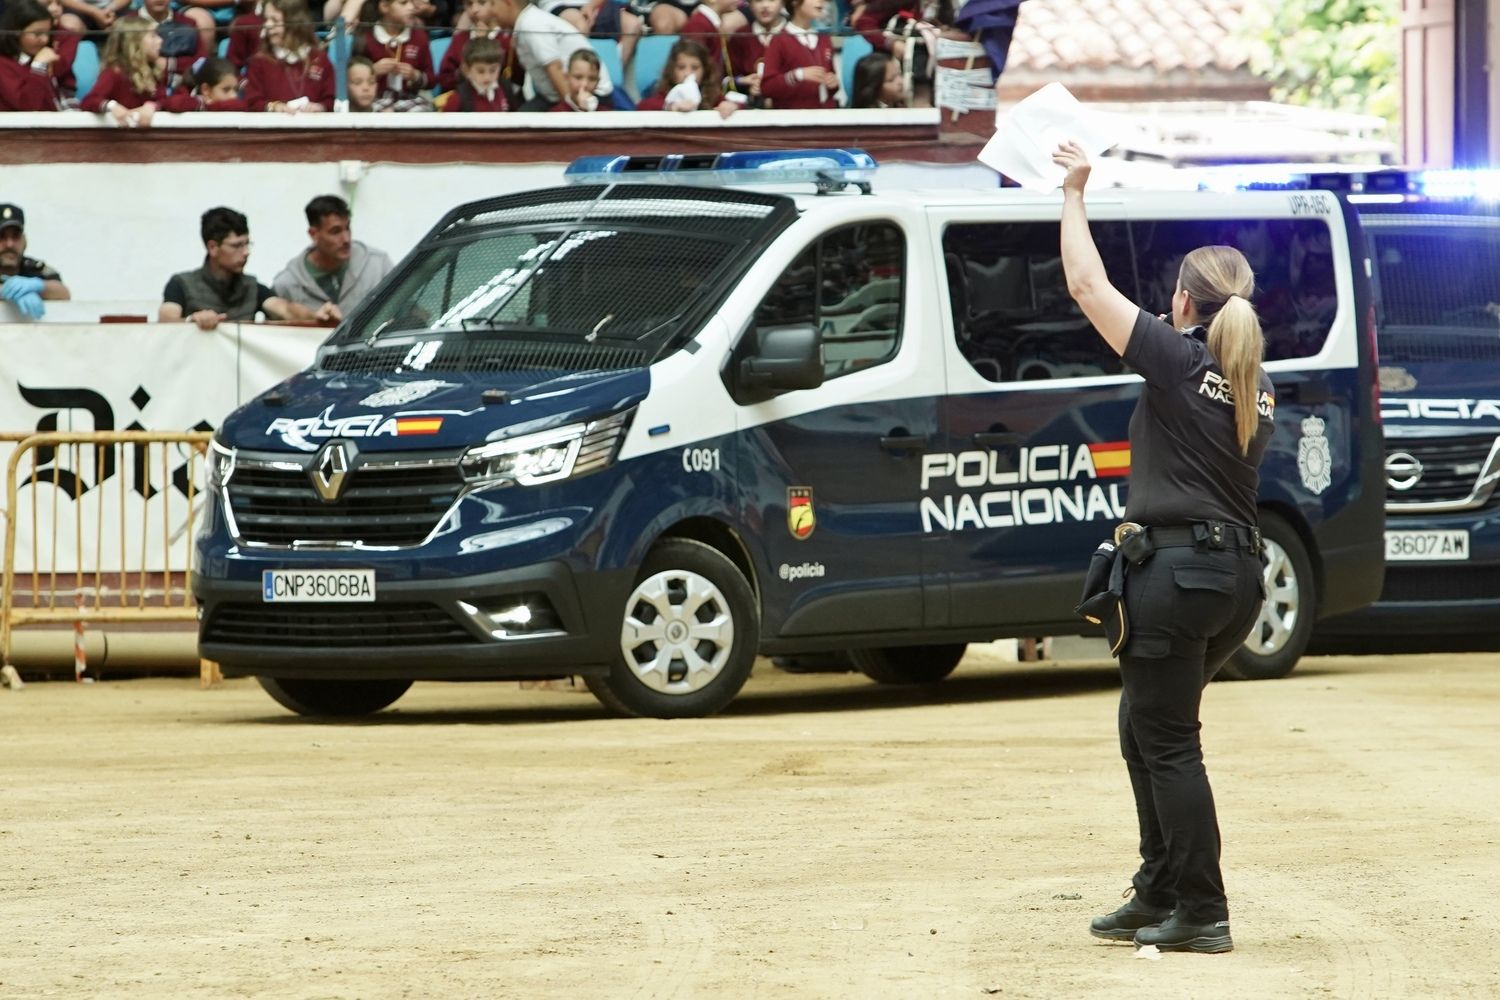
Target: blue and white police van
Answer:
[[1434, 243], [643, 426]]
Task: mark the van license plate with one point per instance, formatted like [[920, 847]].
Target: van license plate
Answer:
[[1426, 546], [344, 586]]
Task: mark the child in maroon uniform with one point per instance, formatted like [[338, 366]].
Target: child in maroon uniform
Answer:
[[480, 89], [799, 63], [710, 25], [583, 80], [687, 69], [130, 85], [290, 73], [398, 49], [481, 15], [26, 58], [65, 39], [747, 48], [182, 44], [363, 88], [216, 88], [244, 37]]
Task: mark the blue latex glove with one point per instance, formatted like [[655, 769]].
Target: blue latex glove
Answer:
[[26, 293], [31, 305], [16, 286]]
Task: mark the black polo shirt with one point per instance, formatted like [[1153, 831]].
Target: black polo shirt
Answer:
[[1185, 460], [33, 268]]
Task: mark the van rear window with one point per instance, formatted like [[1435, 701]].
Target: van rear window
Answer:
[[1015, 321]]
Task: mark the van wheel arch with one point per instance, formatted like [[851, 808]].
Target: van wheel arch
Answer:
[[722, 538]]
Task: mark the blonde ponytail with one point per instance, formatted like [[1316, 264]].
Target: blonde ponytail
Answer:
[[1219, 282], [1235, 341]]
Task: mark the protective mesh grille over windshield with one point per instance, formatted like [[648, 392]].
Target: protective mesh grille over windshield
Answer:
[[626, 263], [487, 355]]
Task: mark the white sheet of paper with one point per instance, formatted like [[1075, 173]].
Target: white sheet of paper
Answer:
[[1026, 135], [687, 90]]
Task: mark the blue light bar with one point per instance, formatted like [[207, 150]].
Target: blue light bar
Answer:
[[1363, 184], [827, 169]]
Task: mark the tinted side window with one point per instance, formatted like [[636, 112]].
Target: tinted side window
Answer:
[[1012, 315], [1295, 294], [851, 284]]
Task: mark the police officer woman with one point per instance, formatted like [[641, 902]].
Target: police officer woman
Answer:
[[1196, 440]]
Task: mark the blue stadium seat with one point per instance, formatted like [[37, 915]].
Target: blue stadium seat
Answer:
[[223, 48], [608, 51], [650, 57], [439, 48], [855, 48], [86, 66]]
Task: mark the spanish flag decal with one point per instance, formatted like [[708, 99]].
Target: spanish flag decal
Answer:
[[418, 425], [800, 519], [1112, 458]]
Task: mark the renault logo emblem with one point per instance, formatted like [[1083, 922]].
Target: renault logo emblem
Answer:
[[1402, 470], [330, 470]]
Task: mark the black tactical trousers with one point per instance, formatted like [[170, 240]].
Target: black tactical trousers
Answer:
[[1188, 610]]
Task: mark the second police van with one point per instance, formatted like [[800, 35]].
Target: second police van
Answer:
[[1434, 242], [644, 426]]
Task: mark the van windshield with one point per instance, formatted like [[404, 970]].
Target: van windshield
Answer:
[[1438, 282], [627, 263]]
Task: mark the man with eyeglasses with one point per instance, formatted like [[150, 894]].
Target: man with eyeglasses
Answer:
[[220, 290]]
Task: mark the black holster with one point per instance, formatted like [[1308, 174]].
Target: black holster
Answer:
[[1103, 600]]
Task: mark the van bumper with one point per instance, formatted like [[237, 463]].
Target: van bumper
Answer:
[[419, 629], [1429, 606]]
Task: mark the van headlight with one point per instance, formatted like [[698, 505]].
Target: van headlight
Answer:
[[546, 456], [220, 464]]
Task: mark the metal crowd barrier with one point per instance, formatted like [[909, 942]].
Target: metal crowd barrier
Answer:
[[112, 516]]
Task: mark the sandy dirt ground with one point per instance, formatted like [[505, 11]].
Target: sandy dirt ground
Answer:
[[825, 837]]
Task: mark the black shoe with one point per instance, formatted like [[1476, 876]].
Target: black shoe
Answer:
[[1122, 924], [1178, 935]]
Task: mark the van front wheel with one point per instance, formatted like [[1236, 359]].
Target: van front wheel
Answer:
[[908, 664], [1285, 625], [688, 636]]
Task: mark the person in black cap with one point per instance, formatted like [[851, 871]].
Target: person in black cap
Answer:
[[24, 280], [1192, 588]]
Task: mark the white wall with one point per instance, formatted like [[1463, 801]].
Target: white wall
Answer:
[[117, 232]]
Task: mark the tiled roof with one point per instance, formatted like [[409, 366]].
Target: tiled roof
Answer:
[[1164, 47]]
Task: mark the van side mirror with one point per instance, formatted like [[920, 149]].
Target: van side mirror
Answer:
[[788, 358]]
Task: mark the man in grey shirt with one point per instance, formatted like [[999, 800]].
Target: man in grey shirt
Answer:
[[337, 268]]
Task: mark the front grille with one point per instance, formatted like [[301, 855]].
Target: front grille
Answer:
[[334, 626], [386, 506], [1449, 582], [1451, 468]]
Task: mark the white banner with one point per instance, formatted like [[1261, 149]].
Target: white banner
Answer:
[[126, 377]]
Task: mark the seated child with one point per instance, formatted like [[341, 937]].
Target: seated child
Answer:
[[363, 87], [480, 89], [216, 87], [686, 83], [483, 24], [878, 83], [583, 80], [290, 72], [130, 86]]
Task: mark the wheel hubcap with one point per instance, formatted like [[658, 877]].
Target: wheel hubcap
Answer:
[[1278, 615], [678, 632]]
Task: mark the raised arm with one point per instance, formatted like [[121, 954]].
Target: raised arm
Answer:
[[1112, 314]]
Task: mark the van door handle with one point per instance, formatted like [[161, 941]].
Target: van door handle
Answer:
[[996, 439], [903, 442]]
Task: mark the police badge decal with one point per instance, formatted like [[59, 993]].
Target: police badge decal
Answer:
[[1314, 459], [800, 520]]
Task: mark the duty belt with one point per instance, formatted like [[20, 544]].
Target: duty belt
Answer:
[[1206, 535]]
